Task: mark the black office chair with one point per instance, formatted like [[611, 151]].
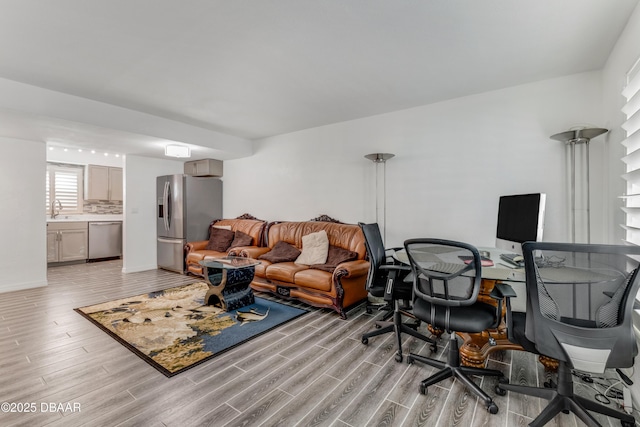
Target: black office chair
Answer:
[[579, 305], [386, 279], [447, 279]]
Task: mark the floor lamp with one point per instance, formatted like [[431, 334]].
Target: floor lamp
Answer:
[[572, 138], [380, 159]]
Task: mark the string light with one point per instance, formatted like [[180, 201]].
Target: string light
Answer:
[[80, 150]]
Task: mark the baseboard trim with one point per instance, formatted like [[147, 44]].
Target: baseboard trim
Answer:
[[10, 287], [135, 269]]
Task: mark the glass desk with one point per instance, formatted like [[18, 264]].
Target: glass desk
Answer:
[[229, 279]]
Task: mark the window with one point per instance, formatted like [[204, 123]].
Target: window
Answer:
[[631, 109], [64, 184], [631, 126]]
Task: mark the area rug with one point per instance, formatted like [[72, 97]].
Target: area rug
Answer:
[[173, 330]]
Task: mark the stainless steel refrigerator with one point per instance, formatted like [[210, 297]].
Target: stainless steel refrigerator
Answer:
[[186, 206]]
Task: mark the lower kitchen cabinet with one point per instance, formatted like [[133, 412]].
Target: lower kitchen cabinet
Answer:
[[67, 241]]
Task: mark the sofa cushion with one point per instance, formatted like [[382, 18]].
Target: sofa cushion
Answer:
[[284, 271], [261, 269], [241, 239], [347, 236], [281, 252], [220, 239], [315, 248], [314, 279], [336, 256], [195, 257]]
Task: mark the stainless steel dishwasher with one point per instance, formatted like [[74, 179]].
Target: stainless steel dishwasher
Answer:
[[105, 239]]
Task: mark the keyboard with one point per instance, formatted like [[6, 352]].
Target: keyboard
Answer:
[[510, 258]]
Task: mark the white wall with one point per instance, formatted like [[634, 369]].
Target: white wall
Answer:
[[453, 160], [23, 256], [139, 225]]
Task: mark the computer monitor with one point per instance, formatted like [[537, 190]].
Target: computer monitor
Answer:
[[520, 219]]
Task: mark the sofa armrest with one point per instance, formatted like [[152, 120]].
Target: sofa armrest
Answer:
[[353, 268], [239, 250], [196, 246], [253, 251]]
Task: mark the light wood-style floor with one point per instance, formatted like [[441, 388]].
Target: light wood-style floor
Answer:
[[312, 371]]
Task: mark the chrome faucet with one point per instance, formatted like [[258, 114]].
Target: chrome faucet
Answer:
[[55, 212]]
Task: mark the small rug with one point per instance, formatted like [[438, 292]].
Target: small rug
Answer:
[[173, 331]]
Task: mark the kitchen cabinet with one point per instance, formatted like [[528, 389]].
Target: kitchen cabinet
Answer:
[[67, 241], [204, 167], [103, 183]]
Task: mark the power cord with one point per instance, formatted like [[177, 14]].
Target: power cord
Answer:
[[604, 387]]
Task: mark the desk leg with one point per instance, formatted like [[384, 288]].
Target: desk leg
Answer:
[[476, 348]]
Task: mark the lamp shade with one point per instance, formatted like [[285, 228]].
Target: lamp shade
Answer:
[[379, 157], [578, 135]]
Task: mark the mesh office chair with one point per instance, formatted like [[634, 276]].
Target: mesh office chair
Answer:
[[385, 279], [579, 305], [447, 279]]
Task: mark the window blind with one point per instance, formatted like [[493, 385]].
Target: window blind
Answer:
[[631, 109], [64, 184]]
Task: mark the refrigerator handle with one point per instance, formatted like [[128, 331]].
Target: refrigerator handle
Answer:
[[169, 205], [166, 208]]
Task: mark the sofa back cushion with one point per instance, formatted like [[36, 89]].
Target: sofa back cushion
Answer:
[[346, 236], [253, 228]]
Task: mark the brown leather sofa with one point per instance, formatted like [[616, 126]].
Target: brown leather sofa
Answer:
[[337, 290], [196, 251]]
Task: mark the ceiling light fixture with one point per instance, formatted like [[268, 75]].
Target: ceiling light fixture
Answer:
[[173, 150]]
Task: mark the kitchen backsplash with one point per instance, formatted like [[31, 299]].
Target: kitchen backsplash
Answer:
[[99, 207]]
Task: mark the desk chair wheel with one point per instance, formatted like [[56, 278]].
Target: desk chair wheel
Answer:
[[398, 358], [492, 408], [378, 326], [499, 390], [627, 424], [368, 310], [423, 389], [434, 348], [365, 341]]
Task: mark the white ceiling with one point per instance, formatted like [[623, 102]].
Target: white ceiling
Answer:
[[254, 69]]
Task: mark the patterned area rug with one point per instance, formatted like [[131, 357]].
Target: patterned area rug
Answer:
[[173, 331]]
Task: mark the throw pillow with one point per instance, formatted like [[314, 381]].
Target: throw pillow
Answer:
[[241, 239], [281, 252], [220, 239], [336, 256], [315, 248]]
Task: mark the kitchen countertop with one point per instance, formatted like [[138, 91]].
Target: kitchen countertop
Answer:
[[87, 218]]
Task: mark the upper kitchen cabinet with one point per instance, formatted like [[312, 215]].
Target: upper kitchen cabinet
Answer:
[[204, 167], [103, 183]]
